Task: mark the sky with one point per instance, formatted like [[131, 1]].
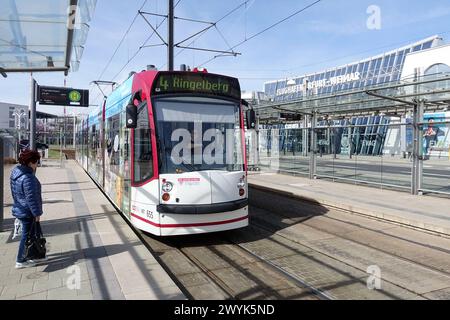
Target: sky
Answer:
[[329, 33]]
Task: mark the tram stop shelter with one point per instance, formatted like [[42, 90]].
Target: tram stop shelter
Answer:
[[41, 36], [45, 35], [317, 116]]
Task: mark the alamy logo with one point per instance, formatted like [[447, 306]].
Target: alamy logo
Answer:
[[374, 20], [190, 149], [374, 280], [74, 280]]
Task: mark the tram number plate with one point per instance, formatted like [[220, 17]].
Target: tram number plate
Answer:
[[149, 214]]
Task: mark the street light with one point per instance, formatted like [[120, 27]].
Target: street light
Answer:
[[18, 114]]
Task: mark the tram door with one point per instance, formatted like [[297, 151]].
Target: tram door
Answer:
[[125, 165]]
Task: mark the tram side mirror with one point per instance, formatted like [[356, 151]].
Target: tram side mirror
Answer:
[[131, 111], [250, 116], [131, 116], [251, 119]]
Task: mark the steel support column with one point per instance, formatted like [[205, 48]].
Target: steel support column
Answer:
[[102, 140], [305, 137], [2, 184], [257, 142], [170, 36], [313, 154], [417, 168], [33, 115]]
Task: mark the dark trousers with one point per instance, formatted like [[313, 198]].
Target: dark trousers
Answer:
[[26, 226]]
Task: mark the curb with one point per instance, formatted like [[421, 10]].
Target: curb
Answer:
[[368, 213]]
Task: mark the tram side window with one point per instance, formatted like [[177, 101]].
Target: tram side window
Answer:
[[93, 142], [143, 165], [113, 143]]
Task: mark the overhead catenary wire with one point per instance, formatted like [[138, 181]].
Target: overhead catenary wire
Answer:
[[157, 27], [283, 71], [146, 41], [119, 45], [121, 40], [266, 29], [140, 48], [202, 32], [219, 20]]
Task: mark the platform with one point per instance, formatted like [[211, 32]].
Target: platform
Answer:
[[89, 243], [427, 213]]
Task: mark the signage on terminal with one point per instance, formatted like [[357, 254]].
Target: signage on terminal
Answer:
[[349, 77], [63, 96]]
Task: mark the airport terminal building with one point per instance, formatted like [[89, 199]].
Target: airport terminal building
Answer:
[[430, 55], [372, 121], [425, 59]]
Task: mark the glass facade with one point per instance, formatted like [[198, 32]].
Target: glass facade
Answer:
[[382, 69]]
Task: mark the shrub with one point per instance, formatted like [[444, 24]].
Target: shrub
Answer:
[[9, 161]]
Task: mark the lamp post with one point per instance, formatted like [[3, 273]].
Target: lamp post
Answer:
[[18, 114]]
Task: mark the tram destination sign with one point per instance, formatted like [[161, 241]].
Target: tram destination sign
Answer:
[[63, 96], [191, 82]]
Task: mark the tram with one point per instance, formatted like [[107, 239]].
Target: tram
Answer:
[[168, 149]]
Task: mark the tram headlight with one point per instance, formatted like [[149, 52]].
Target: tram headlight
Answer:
[[241, 186], [167, 186], [241, 183]]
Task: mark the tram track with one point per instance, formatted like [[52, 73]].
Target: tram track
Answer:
[[232, 270], [234, 250], [198, 282], [363, 243], [341, 244], [225, 265], [319, 293]]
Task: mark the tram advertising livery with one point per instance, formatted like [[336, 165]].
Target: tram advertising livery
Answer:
[[168, 149]]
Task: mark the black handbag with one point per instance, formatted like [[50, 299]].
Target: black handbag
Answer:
[[35, 243]]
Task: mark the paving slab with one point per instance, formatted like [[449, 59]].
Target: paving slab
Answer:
[[93, 254]]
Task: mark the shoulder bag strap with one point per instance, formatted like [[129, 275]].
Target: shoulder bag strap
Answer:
[[32, 232], [39, 233]]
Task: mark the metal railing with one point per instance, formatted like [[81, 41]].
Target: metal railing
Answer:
[[396, 155]]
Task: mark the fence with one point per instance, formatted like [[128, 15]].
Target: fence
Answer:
[[378, 151]]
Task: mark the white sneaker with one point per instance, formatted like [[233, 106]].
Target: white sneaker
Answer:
[[26, 264], [39, 260]]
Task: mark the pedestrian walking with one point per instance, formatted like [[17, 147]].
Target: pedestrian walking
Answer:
[[26, 192]]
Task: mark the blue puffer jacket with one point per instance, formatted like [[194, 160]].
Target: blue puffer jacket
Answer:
[[26, 192]]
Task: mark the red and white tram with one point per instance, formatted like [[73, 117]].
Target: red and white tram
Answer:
[[168, 149]]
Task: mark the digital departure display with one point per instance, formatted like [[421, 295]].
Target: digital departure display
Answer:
[[191, 82], [63, 96]]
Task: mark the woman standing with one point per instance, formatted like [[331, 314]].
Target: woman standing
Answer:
[[26, 192]]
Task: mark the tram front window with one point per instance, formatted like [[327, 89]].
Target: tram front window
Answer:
[[198, 134]]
